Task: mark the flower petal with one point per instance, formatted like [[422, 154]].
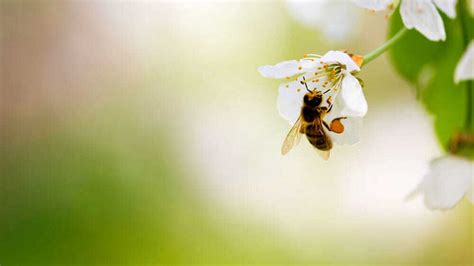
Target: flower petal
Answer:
[[375, 5], [290, 100], [465, 67], [447, 6], [341, 58], [352, 125], [423, 16], [288, 68], [449, 179], [351, 134], [352, 98]]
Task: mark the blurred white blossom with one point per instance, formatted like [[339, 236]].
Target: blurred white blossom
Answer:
[[336, 20], [331, 74], [465, 67], [450, 179], [419, 14]]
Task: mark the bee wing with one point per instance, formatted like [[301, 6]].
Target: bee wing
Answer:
[[293, 137], [323, 154]]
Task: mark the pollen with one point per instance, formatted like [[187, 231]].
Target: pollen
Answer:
[[336, 126]]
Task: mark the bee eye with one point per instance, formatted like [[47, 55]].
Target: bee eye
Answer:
[[317, 100]]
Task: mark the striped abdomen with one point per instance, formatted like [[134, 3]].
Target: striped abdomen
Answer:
[[314, 129]]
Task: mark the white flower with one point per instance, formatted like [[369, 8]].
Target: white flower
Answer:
[[336, 20], [331, 74], [450, 179], [465, 67], [419, 14]]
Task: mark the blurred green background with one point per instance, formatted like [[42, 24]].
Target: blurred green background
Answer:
[[141, 133]]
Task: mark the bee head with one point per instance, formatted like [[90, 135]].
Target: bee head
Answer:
[[313, 98]]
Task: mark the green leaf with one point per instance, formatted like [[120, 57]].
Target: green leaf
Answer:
[[429, 67], [413, 51], [445, 100]]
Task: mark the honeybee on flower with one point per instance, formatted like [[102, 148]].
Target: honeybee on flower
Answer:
[[322, 100]]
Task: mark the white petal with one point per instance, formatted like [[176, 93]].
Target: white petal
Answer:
[[288, 68], [352, 128], [375, 5], [465, 67], [352, 125], [341, 58], [447, 6], [449, 179], [423, 16], [352, 97], [290, 100], [351, 134]]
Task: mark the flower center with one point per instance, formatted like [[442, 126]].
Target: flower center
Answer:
[[328, 77]]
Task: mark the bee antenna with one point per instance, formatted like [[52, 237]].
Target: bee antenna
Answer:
[[327, 91], [306, 85]]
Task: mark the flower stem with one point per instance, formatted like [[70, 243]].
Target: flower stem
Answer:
[[377, 52]]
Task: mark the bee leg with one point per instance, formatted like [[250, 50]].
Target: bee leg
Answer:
[[330, 108], [326, 125], [322, 109], [328, 101]]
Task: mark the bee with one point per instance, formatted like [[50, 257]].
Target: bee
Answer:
[[311, 123]]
